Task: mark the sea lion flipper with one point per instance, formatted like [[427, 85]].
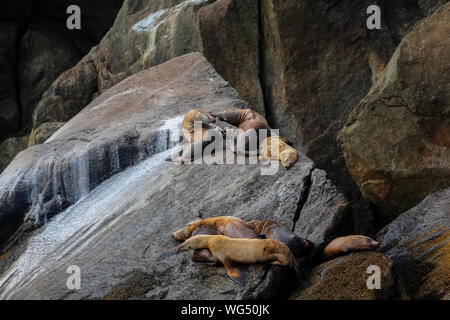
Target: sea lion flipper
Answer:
[[168, 253], [234, 273]]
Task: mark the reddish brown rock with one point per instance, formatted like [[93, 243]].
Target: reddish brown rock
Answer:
[[397, 140]]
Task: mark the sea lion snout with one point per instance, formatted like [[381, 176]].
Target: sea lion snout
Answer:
[[372, 244]]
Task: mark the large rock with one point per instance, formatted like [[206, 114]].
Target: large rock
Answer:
[[314, 221], [9, 106], [44, 55], [115, 201], [36, 47], [345, 278], [397, 140], [231, 38], [418, 242], [9, 148]]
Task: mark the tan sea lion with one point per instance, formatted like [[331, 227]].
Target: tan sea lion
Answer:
[[286, 154], [345, 245], [250, 124], [231, 252], [187, 126], [278, 231], [225, 225]]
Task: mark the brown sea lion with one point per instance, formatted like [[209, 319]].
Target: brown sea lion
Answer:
[[225, 225], [250, 124], [204, 255], [278, 231], [231, 252], [345, 245], [283, 152], [187, 126]]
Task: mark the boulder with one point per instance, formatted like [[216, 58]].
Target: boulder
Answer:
[[43, 132], [345, 278], [230, 40], [418, 241], [9, 148], [396, 142], [9, 106], [314, 221], [36, 47], [107, 201], [44, 54]]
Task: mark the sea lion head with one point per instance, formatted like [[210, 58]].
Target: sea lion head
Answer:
[[206, 118], [288, 158], [185, 232], [181, 234], [363, 243]]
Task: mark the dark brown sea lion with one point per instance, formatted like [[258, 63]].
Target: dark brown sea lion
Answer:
[[231, 252], [278, 231], [250, 124]]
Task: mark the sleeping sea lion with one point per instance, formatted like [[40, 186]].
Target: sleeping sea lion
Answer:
[[187, 126], [345, 245], [231, 252], [278, 231], [250, 124], [229, 226], [225, 225], [283, 152]]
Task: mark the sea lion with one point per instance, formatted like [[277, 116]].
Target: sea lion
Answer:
[[225, 225], [278, 231], [204, 255], [231, 252], [250, 124], [188, 124], [345, 245], [283, 152]]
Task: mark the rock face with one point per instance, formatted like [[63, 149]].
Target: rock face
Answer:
[[305, 64], [10, 148], [36, 48], [345, 278], [114, 201], [9, 109], [397, 140], [418, 242]]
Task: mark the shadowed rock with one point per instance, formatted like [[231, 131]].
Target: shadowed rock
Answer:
[[418, 241]]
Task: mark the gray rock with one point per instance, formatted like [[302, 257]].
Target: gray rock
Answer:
[[418, 241], [325, 211], [115, 201]]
